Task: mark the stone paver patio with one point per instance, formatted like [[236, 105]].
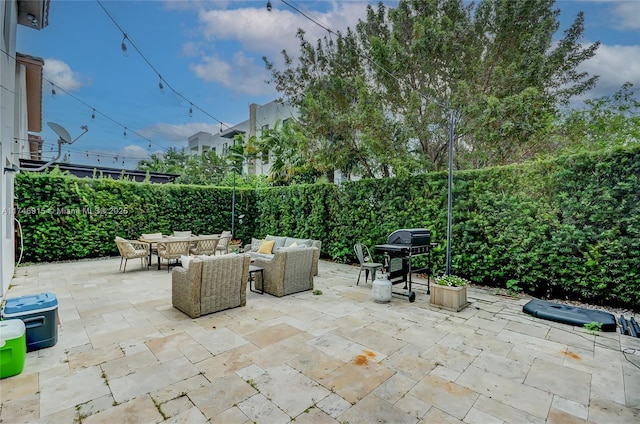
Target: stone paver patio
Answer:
[[125, 355]]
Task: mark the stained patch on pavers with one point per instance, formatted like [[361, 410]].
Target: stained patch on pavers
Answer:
[[353, 382]]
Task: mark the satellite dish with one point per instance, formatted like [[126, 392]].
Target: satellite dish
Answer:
[[62, 133]]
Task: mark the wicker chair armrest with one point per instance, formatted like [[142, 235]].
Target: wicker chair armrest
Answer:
[[140, 245], [185, 288]]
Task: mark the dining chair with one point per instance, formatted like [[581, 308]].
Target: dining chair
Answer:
[[223, 243], [131, 249], [366, 264], [205, 245], [173, 248]]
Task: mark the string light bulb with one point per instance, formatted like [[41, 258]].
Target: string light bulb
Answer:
[[160, 86], [191, 111], [53, 90], [269, 7], [93, 115], [124, 133], [123, 46]]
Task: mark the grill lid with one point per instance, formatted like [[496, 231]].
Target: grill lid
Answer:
[[410, 237]]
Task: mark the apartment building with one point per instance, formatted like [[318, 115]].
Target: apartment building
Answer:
[[261, 118]]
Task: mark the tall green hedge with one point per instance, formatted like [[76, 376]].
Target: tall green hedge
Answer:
[[564, 227], [64, 217]]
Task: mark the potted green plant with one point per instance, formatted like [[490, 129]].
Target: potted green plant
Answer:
[[449, 292]]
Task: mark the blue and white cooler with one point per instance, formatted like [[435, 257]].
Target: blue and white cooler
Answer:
[[39, 312]]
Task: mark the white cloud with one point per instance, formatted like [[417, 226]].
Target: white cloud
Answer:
[[133, 151], [616, 65], [268, 33], [628, 15], [177, 133], [190, 49], [62, 76], [241, 73], [260, 33]]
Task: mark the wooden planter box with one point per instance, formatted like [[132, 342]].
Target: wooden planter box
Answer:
[[449, 298]]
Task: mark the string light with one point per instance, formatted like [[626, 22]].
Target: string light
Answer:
[[123, 46], [125, 132], [162, 82], [269, 7], [160, 86], [191, 111], [93, 115], [53, 90]]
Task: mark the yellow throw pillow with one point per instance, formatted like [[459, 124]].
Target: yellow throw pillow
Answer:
[[266, 246]]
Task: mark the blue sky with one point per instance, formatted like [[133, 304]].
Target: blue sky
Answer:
[[210, 53]]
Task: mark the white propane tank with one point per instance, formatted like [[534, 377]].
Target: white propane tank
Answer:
[[381, 289]]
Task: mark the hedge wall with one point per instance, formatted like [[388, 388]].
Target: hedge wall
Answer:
[[64, 217], [567, 227]]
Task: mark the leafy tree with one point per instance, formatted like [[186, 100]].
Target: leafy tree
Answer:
[[606, 122], [378, 99], [205, 169], [174, 161]]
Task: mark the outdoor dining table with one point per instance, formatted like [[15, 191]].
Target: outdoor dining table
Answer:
[[152, 240]]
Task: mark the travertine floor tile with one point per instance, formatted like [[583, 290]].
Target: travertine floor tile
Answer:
[[528, 399], [124, 354], [607, 412], [58, 392], [449, 397], [354, 380], [139, 410], [373, 409], [566, 382]]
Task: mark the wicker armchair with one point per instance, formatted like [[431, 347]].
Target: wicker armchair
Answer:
[[289, 271], [205, 245], [223, 243], [131, 249], [210, 285], [173, 248]]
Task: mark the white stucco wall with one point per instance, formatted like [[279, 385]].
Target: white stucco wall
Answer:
[[13, 136], [8, 11]]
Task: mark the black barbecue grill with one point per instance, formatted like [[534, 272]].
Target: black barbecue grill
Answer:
[[402, 246]]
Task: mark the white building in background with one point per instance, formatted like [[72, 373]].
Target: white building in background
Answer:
[[21, 106], [261, 118]]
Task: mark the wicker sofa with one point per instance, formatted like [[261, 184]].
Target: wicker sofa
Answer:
[[211, 284], [289, 270], [281, 242]]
